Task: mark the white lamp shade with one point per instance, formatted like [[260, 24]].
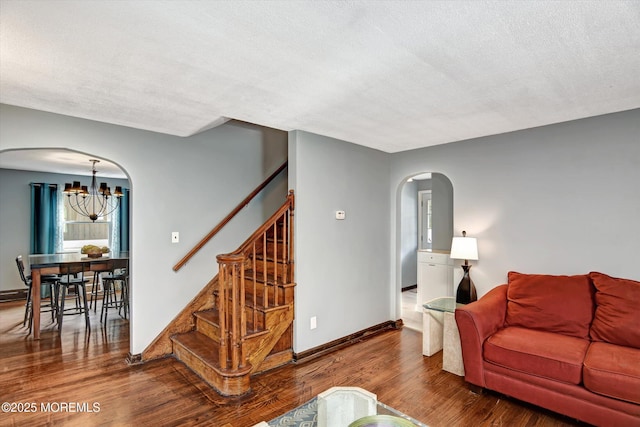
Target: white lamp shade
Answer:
[[464, 248]]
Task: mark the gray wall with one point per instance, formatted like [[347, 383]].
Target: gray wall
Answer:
[[559, 199], [342, 267], [409, 242], [15, 215], [442, 211], [178, 184]]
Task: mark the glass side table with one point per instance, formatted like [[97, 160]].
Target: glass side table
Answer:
[[440, 332]]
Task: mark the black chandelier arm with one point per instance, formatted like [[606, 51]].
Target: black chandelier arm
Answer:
[[76, 206], [93, 202], [80, 204], [99, 208], [113, 207]]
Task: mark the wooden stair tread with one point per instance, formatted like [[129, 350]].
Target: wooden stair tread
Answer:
[[259, 306], [201, 346], [211, 316], [248, 274], [271, 239], [200, 354], [206, 350], [271, 260]]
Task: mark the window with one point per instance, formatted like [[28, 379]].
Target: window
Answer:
[[79, 230]]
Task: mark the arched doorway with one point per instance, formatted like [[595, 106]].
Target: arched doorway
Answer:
[[425, 226], [21, 167]]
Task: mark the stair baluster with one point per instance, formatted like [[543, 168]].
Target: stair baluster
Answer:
[[231, 306]]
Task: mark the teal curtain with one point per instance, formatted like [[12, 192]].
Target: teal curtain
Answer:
[[123, 212], [44, 218]]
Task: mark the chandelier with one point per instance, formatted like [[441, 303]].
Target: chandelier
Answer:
[[93, 201]]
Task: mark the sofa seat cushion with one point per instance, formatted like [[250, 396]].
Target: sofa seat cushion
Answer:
[[541, 353], [562, 304], [614, 371], [617, 316]]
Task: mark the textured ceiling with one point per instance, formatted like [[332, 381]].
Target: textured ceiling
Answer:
[[58, 161], [392, 75]]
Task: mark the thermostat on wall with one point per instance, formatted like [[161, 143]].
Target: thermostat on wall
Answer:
[[340, 215]]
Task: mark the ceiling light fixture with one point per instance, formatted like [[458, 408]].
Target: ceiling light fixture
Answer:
[[93, 201]]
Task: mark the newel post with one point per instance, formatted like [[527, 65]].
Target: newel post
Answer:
[[231, 309], [292, 200]]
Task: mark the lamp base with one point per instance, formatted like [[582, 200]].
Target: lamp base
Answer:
[[466, 291]]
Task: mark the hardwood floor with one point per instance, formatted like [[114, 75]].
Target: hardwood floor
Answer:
[[89, 367], [412, 319]]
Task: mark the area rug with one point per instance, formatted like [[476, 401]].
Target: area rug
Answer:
[[305, 415]]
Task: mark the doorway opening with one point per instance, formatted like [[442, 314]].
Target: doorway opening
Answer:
[[425, 233], [425, 223], [20, 168]]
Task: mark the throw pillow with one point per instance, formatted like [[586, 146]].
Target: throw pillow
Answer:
[[561, 304], [617, 318]]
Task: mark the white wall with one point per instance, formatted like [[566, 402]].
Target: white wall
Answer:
[[178, 184], [559, 199], [342, 267]]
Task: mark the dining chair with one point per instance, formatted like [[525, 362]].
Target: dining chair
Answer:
[[119, 273], [69, 281], [124, 298], [96, 287], [47, 287]]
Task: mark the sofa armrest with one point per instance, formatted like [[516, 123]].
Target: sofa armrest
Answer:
[[476, 322]]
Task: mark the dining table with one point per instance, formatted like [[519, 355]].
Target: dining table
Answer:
[[55, 264]]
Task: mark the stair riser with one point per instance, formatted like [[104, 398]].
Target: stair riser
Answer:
[[284, 295], [209, 326], [258, 326], [270, 241], [225, 385], [210, 330], [278, 250], [270, 268]]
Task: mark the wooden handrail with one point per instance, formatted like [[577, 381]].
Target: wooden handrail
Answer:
[[228, 218], [288, 205]]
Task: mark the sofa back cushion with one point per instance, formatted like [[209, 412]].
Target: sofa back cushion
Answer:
[[617, 318], [561, 304]]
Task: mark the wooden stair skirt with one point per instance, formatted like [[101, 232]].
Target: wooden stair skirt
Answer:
[[250, 327]]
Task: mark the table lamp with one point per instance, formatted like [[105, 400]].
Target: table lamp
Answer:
[[465, 248]]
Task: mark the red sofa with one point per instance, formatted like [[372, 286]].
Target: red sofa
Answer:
[[570, 344]]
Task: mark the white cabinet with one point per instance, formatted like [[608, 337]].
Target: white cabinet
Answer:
[[435, 276]]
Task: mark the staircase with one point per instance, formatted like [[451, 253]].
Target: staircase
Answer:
[[249, 329]]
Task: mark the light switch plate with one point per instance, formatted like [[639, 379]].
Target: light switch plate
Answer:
[[340, 215], [175, 237], [313, 323]]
